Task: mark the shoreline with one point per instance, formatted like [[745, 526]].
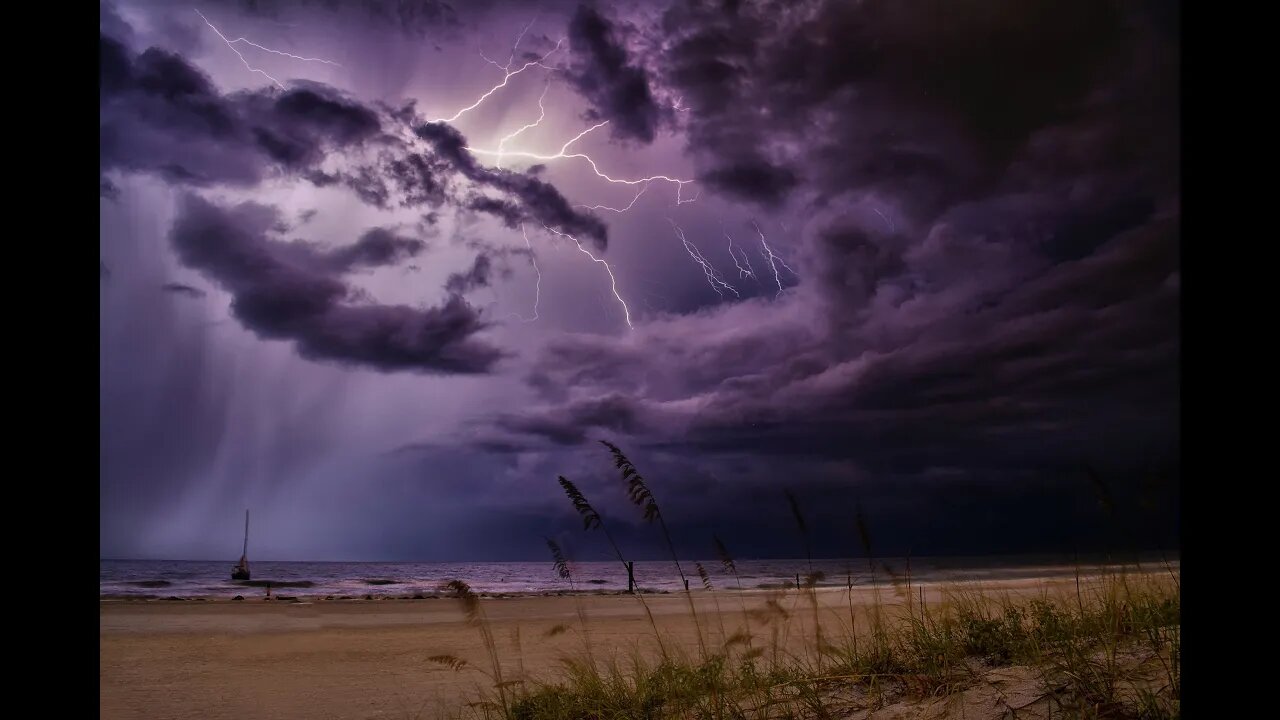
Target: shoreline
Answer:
[[373, 658], [285, 593], [305, 591], [886, 594]]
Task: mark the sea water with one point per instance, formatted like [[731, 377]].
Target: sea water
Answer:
[[193, 578]]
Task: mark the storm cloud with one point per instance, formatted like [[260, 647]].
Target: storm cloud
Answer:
[[905, 99], [956, 259], [161, 115], [287, 290], [617, 89], [537, 200], [990, 260]]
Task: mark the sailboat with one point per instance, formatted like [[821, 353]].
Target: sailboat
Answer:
[[241, 570]]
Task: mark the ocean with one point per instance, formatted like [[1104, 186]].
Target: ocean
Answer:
[[194, 578]]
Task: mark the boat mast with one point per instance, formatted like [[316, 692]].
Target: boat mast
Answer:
[[245, 553]]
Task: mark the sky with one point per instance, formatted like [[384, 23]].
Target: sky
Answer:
[[381, 271]]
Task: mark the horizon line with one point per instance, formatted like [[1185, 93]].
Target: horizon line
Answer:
[[1117, 558]]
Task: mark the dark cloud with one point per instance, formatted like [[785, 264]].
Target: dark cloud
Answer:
[[572, 423], [287, 290], [601, 72], [435, 179], [989, 253], [884, 95], [375, 247], [1076, 362], [477, 276], [450, 145], [539, 201], [506, 211], [421, 179], [412, 17], [753, 179], [181, 289], [980, 203], [1078, 235], [315, 110], [160, 114], [544, 204]]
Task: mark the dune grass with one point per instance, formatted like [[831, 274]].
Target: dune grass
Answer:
[[1110, 649]]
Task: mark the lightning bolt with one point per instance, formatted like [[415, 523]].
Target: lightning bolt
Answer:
[[643, 188], [232, 44], [612, 280], [512, 57], [542, 114], [537, 287], [564, 154], [501, 152], [692, 199], [713, 278], [285, 54], [748, 271], [508, 73], [237, 52], [882, 217], [773, 259]]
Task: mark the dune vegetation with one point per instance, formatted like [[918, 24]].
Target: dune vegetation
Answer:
[[1106, 646]]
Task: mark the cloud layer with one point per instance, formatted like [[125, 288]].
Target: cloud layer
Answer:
[[991, 263], [292, 291], [602, 72], [978, 205], [162, 116]]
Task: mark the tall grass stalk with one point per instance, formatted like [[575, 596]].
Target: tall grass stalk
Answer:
[[591, 520], [709, 587], [812, 579], [640, 495], [561, 565], [731, 567], [473, 611]]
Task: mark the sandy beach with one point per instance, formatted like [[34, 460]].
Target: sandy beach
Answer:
[[216, 658]]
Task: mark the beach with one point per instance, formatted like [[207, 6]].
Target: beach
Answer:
[[316, 658]]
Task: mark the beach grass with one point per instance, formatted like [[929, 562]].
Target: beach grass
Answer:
[[1113, 651], [1108, 647]]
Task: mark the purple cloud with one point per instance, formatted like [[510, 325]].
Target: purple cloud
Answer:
[[291, 291]]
